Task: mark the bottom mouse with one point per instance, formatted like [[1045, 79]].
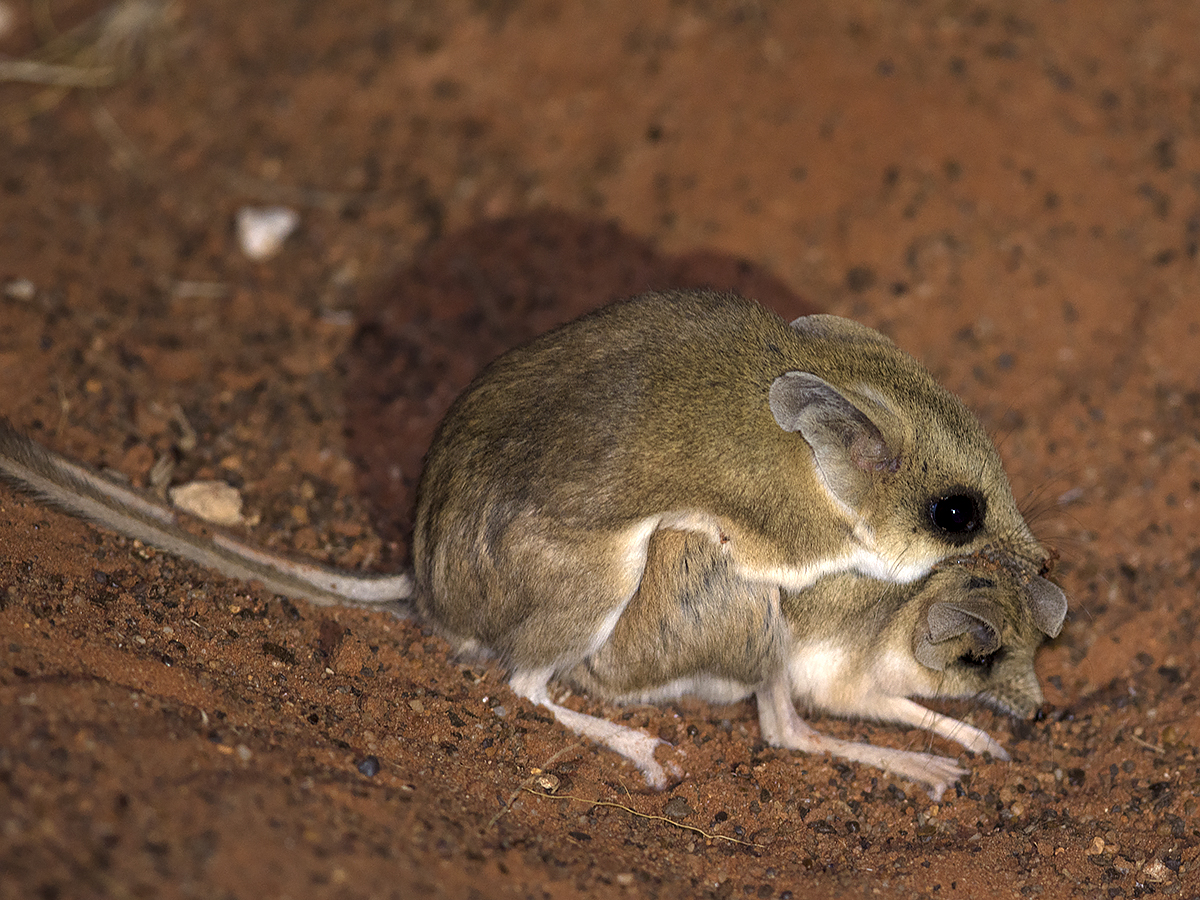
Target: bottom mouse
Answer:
[[850, 646]]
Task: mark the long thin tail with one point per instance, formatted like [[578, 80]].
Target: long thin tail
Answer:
[[72, 488]]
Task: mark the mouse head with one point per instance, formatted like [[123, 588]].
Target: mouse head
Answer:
[[976, 628], [911, 468]]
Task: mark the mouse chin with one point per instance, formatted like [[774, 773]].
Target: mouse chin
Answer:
[[1016, 707]]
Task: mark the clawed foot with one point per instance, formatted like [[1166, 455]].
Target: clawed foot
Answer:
[[655, 758], [937, 773]]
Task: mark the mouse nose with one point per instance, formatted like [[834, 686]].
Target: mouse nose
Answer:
[[1019, 699]]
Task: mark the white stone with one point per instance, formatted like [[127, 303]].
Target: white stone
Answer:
[[262, 230], [212, 501]]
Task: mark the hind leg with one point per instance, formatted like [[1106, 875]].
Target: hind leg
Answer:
[[782, 727], [636, 746], [692, 627]]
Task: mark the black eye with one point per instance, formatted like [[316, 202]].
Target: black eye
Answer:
[[957, 514]]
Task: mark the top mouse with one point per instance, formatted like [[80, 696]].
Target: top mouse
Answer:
[[803, 450]]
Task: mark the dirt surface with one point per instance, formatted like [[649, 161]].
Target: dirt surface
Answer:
[[1010, 190]]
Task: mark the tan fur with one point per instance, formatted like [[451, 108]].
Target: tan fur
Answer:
[[562, 449]]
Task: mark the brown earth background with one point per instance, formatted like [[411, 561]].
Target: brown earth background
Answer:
[[1010, 190]]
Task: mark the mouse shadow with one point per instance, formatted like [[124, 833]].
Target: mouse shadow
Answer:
[[472, 295]]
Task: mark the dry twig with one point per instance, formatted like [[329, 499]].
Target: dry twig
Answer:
[[97, 53], [641, 815]]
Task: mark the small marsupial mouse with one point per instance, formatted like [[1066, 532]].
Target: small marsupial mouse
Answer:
[[850, 645], [683, 494]]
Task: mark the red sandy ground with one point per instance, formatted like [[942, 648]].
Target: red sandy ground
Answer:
[[1011, 190]]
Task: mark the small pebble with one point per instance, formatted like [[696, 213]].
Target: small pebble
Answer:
[[212, 501], [1157, 871], [677, 808], [262, 230], [369, 766], [21, 289]]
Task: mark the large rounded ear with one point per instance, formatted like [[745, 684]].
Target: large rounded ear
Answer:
[[976, 620], [1048, 604], [825, 327], [849, 447]]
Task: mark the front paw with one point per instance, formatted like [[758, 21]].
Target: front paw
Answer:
[[937, 773]]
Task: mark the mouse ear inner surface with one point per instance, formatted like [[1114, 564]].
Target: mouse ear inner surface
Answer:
[[974, 618], [849, 447], [1048, 604], [931, 656]]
